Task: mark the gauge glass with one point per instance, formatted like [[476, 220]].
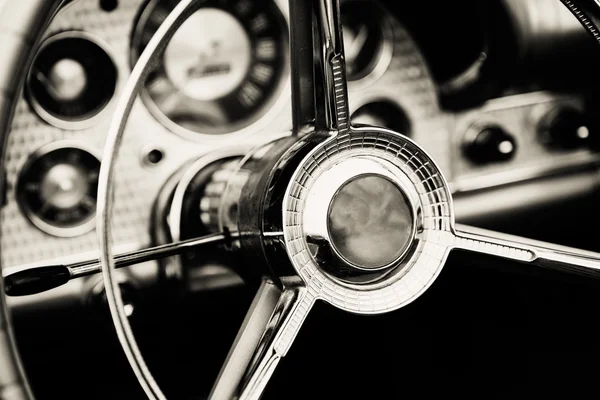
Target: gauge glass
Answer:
[[221, 71], [72, 80], [57, 189]]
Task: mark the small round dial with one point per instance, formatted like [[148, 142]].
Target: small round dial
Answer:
[[72, 79], [221, 71], [366, 38], [57, 189]]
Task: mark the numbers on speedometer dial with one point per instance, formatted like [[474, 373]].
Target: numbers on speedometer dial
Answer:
[[221, 71]]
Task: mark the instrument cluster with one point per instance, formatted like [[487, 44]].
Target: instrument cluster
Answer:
[[223, 83]]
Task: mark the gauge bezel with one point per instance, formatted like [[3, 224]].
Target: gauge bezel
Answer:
[[381, 63], [86, 225], [384, 98], [264, 114], [102, 112]]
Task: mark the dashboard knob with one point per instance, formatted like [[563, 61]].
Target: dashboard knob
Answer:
[[564, 128], [491, 143]]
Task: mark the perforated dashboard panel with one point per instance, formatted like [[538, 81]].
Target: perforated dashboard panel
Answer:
[[406, 82]]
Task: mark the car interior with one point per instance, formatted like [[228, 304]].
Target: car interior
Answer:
[[299, 199]]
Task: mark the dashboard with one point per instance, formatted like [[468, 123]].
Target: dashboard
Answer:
[[223, 85], [500, 97]]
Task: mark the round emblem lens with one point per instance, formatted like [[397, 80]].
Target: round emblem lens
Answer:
[[370, 222]]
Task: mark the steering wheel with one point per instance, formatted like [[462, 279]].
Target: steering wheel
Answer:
[[357, 216]]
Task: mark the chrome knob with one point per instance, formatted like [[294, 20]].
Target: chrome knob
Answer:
[[564, 128], [489, 144]]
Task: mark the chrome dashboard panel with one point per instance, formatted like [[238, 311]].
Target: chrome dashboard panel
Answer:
[[405, 83], [519, 115]]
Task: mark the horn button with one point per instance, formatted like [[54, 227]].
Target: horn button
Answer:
[[370, 222], [363, 216], [367, 220]]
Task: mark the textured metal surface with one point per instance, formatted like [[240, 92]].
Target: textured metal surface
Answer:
[[519, 116], [406, 83]]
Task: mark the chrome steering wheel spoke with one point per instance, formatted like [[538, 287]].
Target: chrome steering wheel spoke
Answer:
[[542, 254], [319, 85], [269, 329]]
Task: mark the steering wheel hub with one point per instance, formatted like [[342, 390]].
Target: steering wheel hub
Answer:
[[340, 237], [370, 223]]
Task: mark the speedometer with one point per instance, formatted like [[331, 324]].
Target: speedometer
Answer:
[[221, 71]]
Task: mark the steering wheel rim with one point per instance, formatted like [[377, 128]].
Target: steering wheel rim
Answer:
[[22, 24]]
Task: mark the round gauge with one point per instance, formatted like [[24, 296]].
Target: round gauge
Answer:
[[57, 189], [221, 71], [383, 113], [367, 42], [72, 79]]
